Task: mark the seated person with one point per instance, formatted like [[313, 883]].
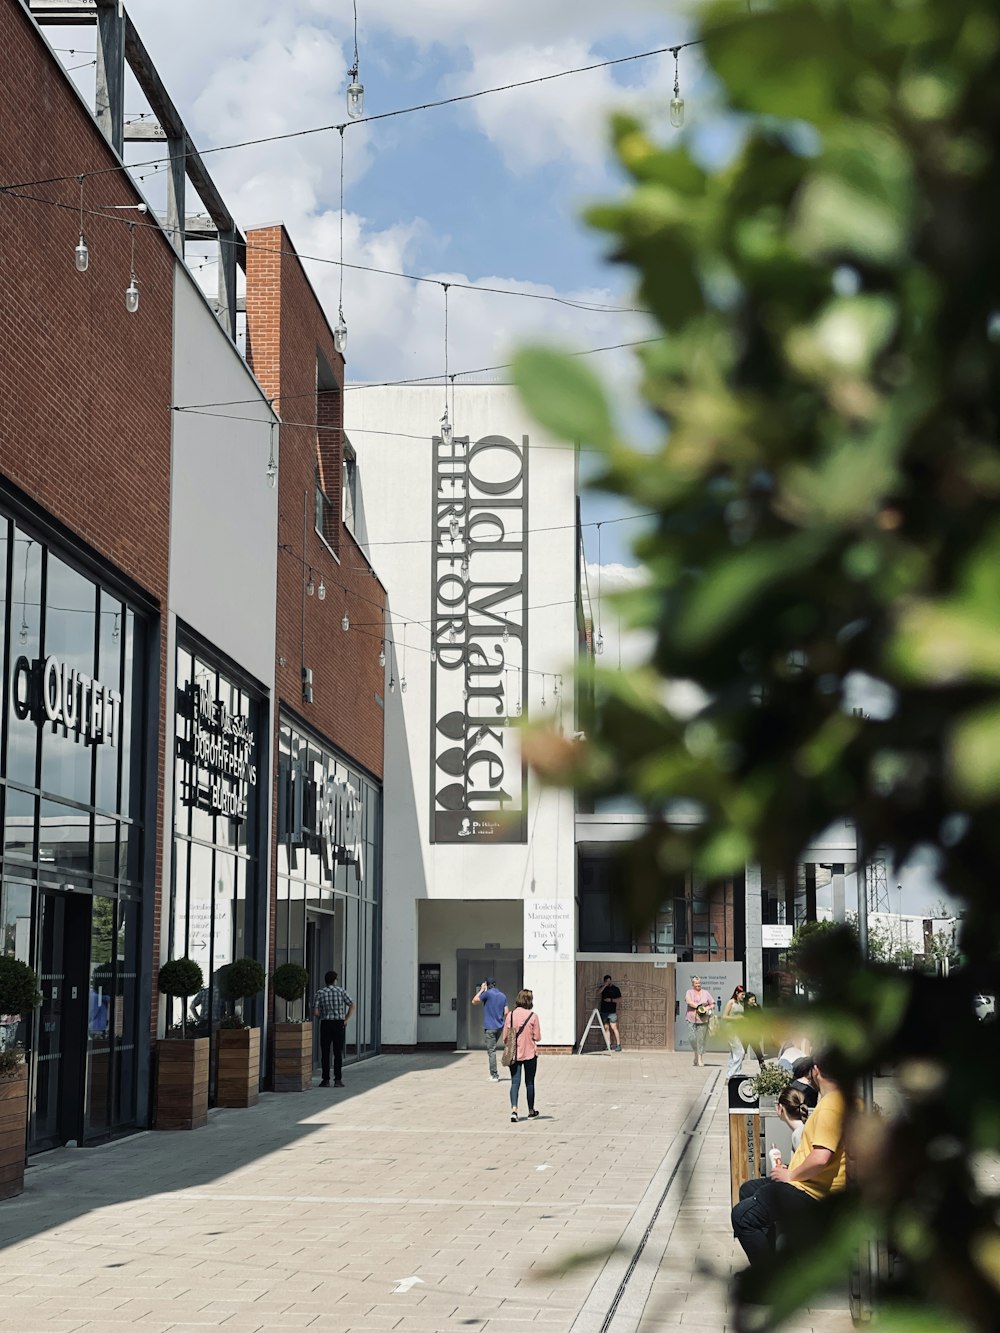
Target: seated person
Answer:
[[818, 1168], [794, 1111], [804, 1080]]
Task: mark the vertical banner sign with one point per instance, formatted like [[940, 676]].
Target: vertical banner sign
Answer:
[[479, 633]]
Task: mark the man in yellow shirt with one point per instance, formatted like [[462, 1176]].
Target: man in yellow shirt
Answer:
[[818, 1168]]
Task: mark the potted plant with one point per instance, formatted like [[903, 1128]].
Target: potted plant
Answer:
[[767, 1083], [237, 1054], [293, 1042], [18, 998], [181, 1062]]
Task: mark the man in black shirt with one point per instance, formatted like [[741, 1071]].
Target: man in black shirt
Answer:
[[610, 995], [804, 1079]]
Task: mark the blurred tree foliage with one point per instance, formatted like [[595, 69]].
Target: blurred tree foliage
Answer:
[[827, 492]]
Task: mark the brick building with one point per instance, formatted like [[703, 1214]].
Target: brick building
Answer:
[[329, 681]]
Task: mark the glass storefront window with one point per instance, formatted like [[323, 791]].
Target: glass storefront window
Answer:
[[74, 712], [329, 874], [220, 742]]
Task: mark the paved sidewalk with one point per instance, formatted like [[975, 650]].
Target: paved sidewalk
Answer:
[[405, 1201]]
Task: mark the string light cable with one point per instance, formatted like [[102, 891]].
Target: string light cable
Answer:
[[381, 115], [591, 307]]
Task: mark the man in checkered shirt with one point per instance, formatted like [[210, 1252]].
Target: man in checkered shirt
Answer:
[[333, 1007]]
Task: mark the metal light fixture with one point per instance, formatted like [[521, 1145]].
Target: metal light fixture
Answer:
[[132, 290], [81, 254], [272, 462], [676, 102], [340, 330], [381, 655], [454, 528], [345, 624], [355, 89], [321, 590], [310, 586]]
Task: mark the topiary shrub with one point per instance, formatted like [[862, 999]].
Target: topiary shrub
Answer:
[[240, 981], [18, 987], [181, 978], [290, 982]]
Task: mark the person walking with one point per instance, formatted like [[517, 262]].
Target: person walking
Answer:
[[610, 995], [527, 1034], [494, 1006], [700, 1006], [334, 1008], [755, 1044], [732, 1016]]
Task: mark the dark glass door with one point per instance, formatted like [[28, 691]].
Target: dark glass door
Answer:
[[60, 1023]]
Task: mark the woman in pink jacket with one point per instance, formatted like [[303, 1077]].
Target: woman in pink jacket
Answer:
[[528, 1034]]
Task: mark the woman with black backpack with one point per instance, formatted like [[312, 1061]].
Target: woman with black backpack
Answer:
[[521, 1035]]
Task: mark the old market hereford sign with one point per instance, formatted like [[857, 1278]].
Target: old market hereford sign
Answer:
[[50, 691], [479, 577]]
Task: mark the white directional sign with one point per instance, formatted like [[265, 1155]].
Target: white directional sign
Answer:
[[548, 930], [775, 937]]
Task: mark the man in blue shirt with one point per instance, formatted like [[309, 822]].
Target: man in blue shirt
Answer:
[[494, 1004]]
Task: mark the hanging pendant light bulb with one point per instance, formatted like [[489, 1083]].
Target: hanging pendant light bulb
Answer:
[[676, 102], [465, 691], [310, 586], [543, 689], [446, 431], [599, 643], [22, 634], [81, 254], [116, 631], [453, 635], [272, 462], [345, 624], [465, 568], [454, 528], [355, 94], [506, 630], [340, 333], [402, 684], [381, 655], [132, 290], [392, 684], [434, 654], [321, 590]]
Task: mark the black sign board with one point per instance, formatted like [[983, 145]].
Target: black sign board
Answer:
[[430, 990]]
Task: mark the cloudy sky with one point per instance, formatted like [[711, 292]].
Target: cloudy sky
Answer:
[[487, 192]]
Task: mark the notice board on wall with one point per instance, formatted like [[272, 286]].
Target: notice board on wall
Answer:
[[429, 990]]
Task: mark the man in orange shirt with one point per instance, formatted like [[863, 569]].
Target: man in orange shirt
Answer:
[[818, 1168]]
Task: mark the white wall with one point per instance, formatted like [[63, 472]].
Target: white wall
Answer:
[[395, 477], [223, 516]]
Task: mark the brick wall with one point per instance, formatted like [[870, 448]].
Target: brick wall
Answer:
[[84, 386], [288, 337]]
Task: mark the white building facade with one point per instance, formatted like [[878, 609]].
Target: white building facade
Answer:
[[476, 540]]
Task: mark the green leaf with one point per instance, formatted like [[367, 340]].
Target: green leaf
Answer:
[[564, 396], [974, 755]]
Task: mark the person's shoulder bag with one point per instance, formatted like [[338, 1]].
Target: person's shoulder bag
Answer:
[[509, 1056]]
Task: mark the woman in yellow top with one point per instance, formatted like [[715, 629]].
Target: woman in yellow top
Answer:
[[818, 1168]]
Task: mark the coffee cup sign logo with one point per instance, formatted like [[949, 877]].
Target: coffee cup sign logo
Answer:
[[51, 691]]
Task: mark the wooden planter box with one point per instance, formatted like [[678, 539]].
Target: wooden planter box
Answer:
[[293, 1056], [237, 1067], [13, 1132], [182, 1083]]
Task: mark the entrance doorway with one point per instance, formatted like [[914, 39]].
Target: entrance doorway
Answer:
[[506, 966], [56, 1115], [319, 961], [83, 1086]]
